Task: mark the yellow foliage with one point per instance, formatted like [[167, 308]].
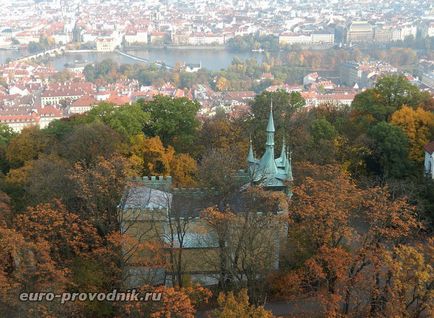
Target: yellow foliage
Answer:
[[222, 84], [237, 306], [149, 157], [418, 125]]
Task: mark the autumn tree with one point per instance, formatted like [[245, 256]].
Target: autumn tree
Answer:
[[97, 190], [249, 253], [6, 211], [222, 84], [389, 95], [27, 267], [351, 232], [220, 132], [418, 124], [237, 306], [42, 180], [173, 302], [28, 145], [67, 235], [410, 280], [217, 172], [149, 157]]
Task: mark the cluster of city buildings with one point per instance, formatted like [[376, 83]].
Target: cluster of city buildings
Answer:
[[32, 94], [111, 24]]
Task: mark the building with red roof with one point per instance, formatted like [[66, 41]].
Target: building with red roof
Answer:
[[429, 159]]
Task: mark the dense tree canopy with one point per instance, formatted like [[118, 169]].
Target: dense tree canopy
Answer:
[[355, 230]]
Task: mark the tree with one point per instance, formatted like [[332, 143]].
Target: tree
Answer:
[[389, 94], [26, 267], [6, 134], [222, 84], [44, 179], [248, 248], [150, 157], [97, 190], [175, 302], [6, 211], [223, 134], [322, 129], [418, 125], [87, 142], [184, 171], [67, 235], [128, 120], [28, 145], [238, 306], [173, 120], [284, 105], [390, 150], [411, 280], [340, 239]]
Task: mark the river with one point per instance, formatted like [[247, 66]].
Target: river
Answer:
[[211, 59]]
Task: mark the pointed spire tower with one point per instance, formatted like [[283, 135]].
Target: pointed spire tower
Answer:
[[270, 172], [267, 165], [251, 156]]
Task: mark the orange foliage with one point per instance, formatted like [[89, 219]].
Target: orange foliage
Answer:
[[175, 303], [66, 234]]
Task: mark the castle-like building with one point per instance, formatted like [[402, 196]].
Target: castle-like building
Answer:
[[152, 208]]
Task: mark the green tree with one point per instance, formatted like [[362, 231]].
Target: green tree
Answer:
[[322, 129], [390, 150], [128, 120], [6, 134], [173, 120], [284, 105], [388, 95]]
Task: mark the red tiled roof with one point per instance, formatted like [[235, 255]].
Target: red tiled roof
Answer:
[[19, 118], [429, 147], [85, 101], [49, 111], [119, 100]]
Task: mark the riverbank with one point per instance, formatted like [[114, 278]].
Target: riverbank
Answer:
[[209, 58]]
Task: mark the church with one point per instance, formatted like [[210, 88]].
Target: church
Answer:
[[152, 210]]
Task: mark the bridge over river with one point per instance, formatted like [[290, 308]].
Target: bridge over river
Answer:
[[141, 59]]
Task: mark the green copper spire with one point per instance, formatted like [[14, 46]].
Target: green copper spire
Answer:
[[271, 172], [270, 126], [250, 156], [270, 131]]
